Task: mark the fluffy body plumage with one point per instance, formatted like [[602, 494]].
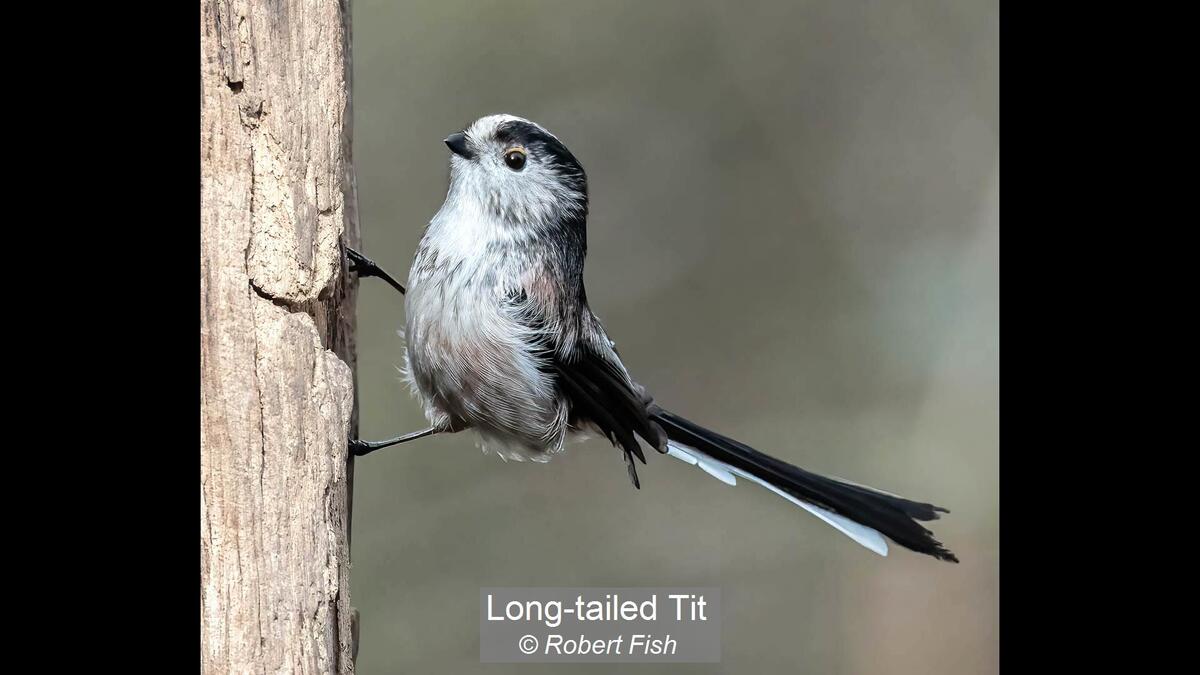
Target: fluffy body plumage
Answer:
[[496, 291], [501, 340]]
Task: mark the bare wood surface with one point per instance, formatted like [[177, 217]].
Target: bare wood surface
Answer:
[[277, 336]]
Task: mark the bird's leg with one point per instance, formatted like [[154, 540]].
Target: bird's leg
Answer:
[[365, 267], [359, 447]]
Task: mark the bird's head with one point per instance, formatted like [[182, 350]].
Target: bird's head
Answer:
[[514, 169]]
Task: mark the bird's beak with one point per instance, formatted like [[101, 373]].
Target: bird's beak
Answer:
[[458, 145]]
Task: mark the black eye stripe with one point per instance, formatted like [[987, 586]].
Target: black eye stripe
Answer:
[[538, 142], [549, 151]]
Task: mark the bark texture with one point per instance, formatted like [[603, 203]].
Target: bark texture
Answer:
[[277, 327]]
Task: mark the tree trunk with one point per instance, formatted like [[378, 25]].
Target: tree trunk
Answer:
[[277, 336]]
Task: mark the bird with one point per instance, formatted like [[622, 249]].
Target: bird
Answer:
[[501, 341]]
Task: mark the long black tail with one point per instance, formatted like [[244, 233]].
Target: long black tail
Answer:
[[889, 515]]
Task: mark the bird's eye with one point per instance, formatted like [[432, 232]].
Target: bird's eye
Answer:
[[515, 159]]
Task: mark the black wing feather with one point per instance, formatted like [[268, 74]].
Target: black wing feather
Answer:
[[600, 394], [596, 390]]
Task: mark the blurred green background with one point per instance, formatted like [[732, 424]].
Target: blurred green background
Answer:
[[794, 239]]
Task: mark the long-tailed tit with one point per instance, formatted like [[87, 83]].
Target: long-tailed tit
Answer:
[[501, 340]]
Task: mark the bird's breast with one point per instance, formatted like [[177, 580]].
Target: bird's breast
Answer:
[[469, 356]]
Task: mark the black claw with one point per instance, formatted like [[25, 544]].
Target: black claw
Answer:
[[365, 267], [357, 261]]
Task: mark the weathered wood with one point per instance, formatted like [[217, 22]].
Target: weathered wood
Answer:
[[277, 336]]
